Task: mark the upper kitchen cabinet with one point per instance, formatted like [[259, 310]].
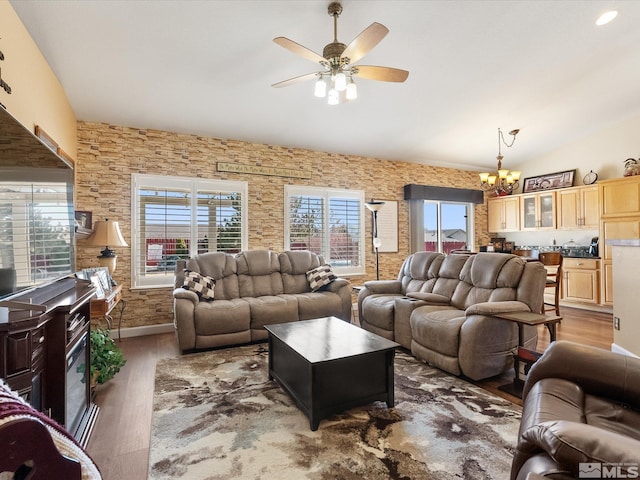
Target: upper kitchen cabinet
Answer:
[[538, 211], [578, 208], [504, 214], [620, 197]]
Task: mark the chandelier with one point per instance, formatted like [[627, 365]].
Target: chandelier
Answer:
[[502, 182]]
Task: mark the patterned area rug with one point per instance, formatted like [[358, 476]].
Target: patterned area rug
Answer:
[[217, 416]]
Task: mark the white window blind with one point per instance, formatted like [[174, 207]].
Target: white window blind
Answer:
[[36, 222], [328, 222], [179, 217]]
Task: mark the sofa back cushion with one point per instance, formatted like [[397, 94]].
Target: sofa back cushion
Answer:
[[222, 267], [449, 275], [294, 266], [259, 273], [488, 277], [419, 271]]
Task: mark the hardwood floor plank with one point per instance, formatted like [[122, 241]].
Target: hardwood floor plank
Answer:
[[120, 441]]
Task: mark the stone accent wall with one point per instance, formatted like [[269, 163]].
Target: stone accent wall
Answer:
[[109, 154]]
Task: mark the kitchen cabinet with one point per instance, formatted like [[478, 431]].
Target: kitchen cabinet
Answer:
[[581, 280], [578, 208], [619, 220], [538, 211], [503, 214]]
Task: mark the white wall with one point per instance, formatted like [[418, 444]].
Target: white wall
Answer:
[[604, 152]]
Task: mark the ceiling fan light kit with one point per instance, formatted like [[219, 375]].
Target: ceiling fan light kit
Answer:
[[336, 80]]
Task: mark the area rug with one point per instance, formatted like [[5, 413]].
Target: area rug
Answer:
[[217, 416]]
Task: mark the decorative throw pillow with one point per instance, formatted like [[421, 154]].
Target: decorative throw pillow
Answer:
[[319, 277], [201, 284]]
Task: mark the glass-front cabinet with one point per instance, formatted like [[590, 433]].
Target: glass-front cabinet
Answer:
[[538, 211]]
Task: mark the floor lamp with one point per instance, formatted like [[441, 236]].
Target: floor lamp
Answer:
[[375, 207]]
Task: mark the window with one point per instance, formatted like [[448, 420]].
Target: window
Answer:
[[441, 226], [328, 222], [178, 217], [36, 222]]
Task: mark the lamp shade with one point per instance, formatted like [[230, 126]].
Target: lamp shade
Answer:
[[374, 205], [106, 234]]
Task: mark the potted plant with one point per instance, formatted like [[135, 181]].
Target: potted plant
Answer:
[[106, 356]]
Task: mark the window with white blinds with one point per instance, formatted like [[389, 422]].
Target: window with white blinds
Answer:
[[178, 217], [36, 230], [328, 222]]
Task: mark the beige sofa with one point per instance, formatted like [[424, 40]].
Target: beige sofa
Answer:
[[253, 288], [443, 309]]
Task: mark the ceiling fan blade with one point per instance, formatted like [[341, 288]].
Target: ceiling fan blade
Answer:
[[291, 81], [383, 74], [365, 41], [299, 49]]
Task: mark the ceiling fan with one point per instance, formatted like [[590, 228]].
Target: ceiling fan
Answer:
[[337, 60]]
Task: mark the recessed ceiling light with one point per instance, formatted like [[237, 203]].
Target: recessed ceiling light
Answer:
[[606, 17]]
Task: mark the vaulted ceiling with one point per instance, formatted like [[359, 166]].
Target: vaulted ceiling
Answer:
[[206, 67]]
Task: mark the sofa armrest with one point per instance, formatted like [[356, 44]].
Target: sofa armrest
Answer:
[[186, 294], [337, 285], [572, 443], [430, 298], [597, 371], [384, 286], [493, 308]]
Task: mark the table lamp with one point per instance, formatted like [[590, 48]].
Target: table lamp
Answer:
[[107, 233]]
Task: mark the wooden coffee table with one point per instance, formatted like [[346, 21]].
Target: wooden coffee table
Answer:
[[328, 365]]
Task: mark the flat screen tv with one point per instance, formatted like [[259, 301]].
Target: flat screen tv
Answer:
[[37, 244]]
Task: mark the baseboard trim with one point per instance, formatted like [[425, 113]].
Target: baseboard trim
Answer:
[[615, 348], [142, 331]]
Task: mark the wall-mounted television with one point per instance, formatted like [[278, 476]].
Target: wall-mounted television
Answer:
[[37, 243]]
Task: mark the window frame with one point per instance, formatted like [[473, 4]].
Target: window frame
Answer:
[[418, 228], [327, 194], [194, 185]]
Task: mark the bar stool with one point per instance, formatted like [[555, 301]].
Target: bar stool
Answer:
[[553, 263]]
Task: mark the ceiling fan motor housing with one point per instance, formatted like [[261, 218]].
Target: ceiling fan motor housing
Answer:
[[333, 50]]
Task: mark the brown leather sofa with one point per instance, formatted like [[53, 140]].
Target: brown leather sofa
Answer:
[[443, 308], [581, 413], [253, 289]]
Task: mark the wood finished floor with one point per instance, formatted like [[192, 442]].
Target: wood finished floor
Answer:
[[120, 440]]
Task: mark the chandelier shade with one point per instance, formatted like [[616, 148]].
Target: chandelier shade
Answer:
[[502, 182]]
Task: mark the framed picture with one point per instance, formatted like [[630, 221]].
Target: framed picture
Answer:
[[498, 243], [83, 219], [105, 279], [549, 182], [46, 139], [98, 285], [509, 246]]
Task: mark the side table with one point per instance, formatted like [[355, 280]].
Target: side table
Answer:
[[528, 357], [102, 307]]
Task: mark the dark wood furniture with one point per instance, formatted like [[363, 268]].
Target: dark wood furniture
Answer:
[[102, 307], [523, 355], [40, 330], [328, 365]]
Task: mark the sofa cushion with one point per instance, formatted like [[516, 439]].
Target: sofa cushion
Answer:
[[437, 329], [203, 285], [259, 273], [221, 316], [319, 304], [222, 267], [419, 272], [270, 309], [320, 277], [294, 266]]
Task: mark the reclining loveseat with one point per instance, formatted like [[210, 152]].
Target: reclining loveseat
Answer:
[[252, 289], [580, 415], [443, 308]]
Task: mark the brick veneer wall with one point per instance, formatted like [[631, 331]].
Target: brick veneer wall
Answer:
[[109, 154]]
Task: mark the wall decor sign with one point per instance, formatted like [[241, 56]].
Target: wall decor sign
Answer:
[[260, 170], [549, 182]]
